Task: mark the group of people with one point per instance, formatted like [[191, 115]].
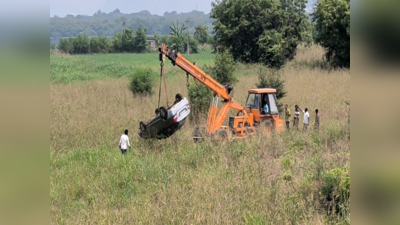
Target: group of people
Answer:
[[296, 118]]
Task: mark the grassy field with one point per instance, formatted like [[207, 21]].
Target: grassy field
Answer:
[[284, 179], [66, 68]]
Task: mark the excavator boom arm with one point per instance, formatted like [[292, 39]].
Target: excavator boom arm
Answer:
[[177, 59]]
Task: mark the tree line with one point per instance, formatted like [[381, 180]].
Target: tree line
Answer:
[[107, 24], [136, 42]]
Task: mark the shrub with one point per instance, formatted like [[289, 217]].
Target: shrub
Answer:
[[272, 80], [142, 81], [199, 97], [336, 190], [223, 68], [193, 44]]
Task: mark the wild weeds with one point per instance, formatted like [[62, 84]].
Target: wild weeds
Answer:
[[274, 179]]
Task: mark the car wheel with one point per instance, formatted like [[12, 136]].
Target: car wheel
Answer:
[[163, 113], [178, 97], [157, 111], [142, 126]]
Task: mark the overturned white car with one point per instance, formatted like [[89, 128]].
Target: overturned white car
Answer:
[[166, 121]]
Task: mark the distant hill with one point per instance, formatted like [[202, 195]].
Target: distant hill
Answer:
[[106, 24]]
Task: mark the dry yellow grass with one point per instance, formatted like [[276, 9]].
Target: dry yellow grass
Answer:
[[256, 180]]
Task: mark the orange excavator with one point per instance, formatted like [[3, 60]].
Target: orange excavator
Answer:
[[259, 115]]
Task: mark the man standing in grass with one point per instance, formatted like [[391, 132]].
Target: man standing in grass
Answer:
[[287, 116], [124, 142], [316, 124], [296, 117], [306, 119]]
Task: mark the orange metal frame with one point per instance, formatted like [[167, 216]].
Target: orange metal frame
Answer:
[[215, 119]]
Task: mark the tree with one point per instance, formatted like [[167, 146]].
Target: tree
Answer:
[[332, 25], [272, 80], [223, 69], [105, 44], [64, 46], [140, 39], [94, 45], [193, 45], [117, 42], [128, 40], [81, 44], [201, 33], [223, 72], [266, 31], [177, 39]]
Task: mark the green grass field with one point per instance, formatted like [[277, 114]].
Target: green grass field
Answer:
[[291, 178], [66, 68]]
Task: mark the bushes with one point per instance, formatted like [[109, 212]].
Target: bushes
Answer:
[[142, 81], [193, 45], [199, 101], [82, 44], [336, 190]]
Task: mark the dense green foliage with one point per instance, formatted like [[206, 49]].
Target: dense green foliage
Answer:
[[140, 41], [103, 24], [142, 81], [100, 45], [82, 44], [199, 97], [266, 31], [223, 72], [201, 34], [193, 45], [332, 18], [178, 38], [272, 80], [223, 68], [336, 192]]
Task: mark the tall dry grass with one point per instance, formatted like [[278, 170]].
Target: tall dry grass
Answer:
[[256, 180]]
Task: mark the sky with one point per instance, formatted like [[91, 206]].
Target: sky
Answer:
[[89, 7]]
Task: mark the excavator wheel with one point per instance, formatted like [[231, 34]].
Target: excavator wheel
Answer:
[[221, 136], [198, 134], [265, 128], [163, 113]]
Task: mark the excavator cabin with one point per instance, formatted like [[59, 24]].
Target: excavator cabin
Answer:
[[268, 117]]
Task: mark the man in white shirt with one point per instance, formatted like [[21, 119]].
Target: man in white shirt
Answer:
[[124, 142], [306, 119]]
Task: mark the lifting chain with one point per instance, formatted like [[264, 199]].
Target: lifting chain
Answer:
[[159, 90], [162, 75]]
